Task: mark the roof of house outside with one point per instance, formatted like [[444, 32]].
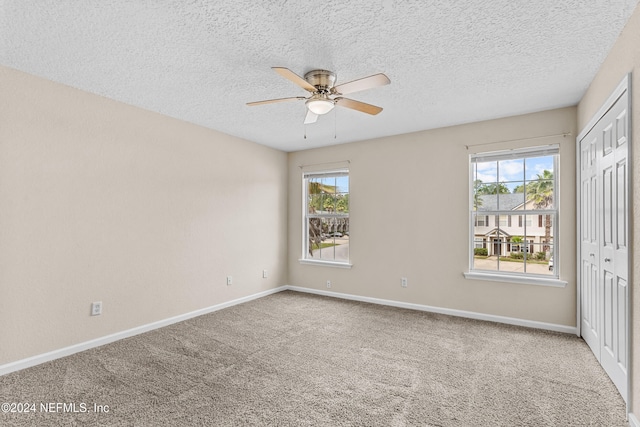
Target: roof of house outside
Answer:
[[508, 201]]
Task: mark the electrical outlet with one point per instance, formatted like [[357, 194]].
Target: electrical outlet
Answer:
[[229, 280], [96, 308], [403, 282], [264, 274], [328, 283]]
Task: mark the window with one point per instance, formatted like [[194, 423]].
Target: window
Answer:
[[527, 219], [326, 217], [482, 221], [480, 243], [504, 221], [518, 188]]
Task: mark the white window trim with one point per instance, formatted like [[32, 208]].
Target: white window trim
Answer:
[[325, 263], [522, 279], [305, 237], [519, 278]]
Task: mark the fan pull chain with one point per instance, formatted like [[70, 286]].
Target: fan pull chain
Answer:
[[335, 126], [305, 131]]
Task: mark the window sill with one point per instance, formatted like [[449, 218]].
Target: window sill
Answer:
[[510, 278], [325, 263]]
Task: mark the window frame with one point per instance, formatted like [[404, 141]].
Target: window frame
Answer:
[[517, 277], [483, 223], [304, 259]]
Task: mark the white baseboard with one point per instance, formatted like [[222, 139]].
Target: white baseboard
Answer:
[[633, 421], [76, 348], [447, 311]]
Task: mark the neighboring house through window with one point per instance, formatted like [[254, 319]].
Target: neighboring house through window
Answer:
[[518, 189], [326, 217]]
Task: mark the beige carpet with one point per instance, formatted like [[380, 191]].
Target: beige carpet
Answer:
[[294, 359]]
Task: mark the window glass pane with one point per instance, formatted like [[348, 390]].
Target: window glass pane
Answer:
[[483, 262], [535, 167], [316, 237], [342, 203], [550, 261], [329, 239], [497, 243], [540, 182], [482, 201], [540, 194], [484, 188], [542, 230], [342, 184], [496, 196], [507, 262], [329, 203], [515, 260], [314, 203], [480, 222], [510, 201], [512, 263], [485, 184], [319, 199], [537, 260], [515, 186], [487, 171], [511, 174], [528, 245]]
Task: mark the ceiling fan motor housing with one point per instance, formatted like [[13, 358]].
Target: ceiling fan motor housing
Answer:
[[323, 80]]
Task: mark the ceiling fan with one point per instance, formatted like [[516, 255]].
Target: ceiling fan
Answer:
[[324, 95]]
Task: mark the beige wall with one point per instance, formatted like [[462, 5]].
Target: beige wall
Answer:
[[101, 201], [409, 218], [624, 58]]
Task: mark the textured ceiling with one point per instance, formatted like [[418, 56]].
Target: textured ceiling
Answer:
[[201, 61]]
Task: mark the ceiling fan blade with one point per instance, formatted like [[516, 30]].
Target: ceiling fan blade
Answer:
[[361, 84], [288, 74], [273, 101], [310, 117], [357, 105]]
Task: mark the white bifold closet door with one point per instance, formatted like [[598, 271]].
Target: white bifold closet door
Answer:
[[604, 240]]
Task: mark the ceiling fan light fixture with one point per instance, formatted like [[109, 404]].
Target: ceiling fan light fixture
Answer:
[[325, 95], [319, 105]]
